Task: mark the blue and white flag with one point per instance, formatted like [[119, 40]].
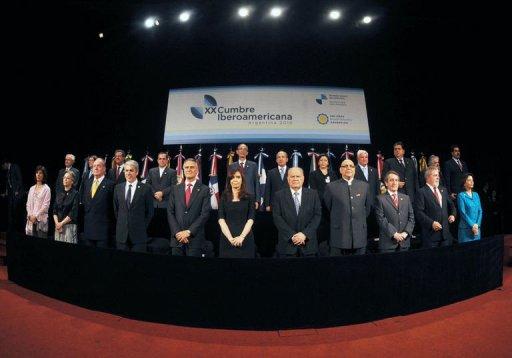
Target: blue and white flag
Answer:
[[262, 174], [214, 180]]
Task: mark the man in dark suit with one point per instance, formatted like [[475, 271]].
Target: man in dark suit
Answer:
[[86, 175], [434, 211], [369, 174], [14, 184], [454, 170], [116, 173], [68, 163], [188, 211], [249, 170], [161, 180], [97, 199], [395, 216], [133, 208], [405, 168], [297, 212], [348, 202], [276, 179]]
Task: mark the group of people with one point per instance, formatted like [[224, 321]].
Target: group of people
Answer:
[[338, 208]]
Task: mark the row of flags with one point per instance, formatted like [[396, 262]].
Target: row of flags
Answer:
[[215, 157]]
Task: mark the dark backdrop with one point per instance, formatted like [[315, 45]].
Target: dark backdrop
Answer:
[[424, 69]]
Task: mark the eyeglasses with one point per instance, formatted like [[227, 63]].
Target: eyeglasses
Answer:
[[348, 166]]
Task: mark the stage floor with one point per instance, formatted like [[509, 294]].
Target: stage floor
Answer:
[[37, 326]]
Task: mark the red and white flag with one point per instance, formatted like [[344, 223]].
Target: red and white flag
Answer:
[[145, 166]]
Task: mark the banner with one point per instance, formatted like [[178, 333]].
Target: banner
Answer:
[[275, 114]]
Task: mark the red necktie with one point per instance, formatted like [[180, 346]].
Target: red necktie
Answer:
[[117, 172], [395, 200], [436, 193], [188, 193], [242, 167]]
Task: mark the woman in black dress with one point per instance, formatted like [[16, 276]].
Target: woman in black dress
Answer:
[[318, 180], [322, 176], [236, 217]]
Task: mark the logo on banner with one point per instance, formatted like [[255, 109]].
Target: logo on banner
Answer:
[[321, 99], [322, 118], [209, 102]]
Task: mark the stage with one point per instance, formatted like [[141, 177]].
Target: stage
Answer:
[[258, 294]]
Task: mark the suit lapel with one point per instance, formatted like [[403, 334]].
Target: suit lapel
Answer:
[[195, 190], [181, 193], [137, 194]]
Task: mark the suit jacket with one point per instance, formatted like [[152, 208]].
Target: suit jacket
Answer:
[[373, 182], [252, 182], [427, 211], [193, 217], [392, 220], [98, 210], [59, 186], [408, 175], [274, 184], [453, 176], [289, 223], [134, 221], [348, 206], [162, 184], [112, 176]]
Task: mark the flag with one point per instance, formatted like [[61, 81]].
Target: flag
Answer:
[[423, 162], [198, 158], [262, 174], [179, 165], [214, 182], [85, 173], [230, 157], [347, 154], [295, 158], [380, 164], [413, 157], [314, 157], [331, 156], [145, 166]]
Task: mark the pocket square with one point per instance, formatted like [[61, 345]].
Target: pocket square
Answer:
[[358, 194]]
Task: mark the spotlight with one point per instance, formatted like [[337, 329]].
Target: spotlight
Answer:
[[243, 12], [100, 35], [185, 16], [367, 19], [151, 22], [276, 12], [334, 14]]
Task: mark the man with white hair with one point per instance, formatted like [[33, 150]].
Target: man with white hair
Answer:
[[133, 208], [369, 174], [435, 211], [68, 166]]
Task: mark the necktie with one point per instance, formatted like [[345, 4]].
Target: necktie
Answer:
[[95, 185], [365, 172], [402, 162], [281, 171], [242, 166], [296, 200], [395, 200], [459, 164], [117, 173], [188, 193], [436, 193], [129, 197]]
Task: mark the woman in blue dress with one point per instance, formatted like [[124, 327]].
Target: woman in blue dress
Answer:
[[470, 211]]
